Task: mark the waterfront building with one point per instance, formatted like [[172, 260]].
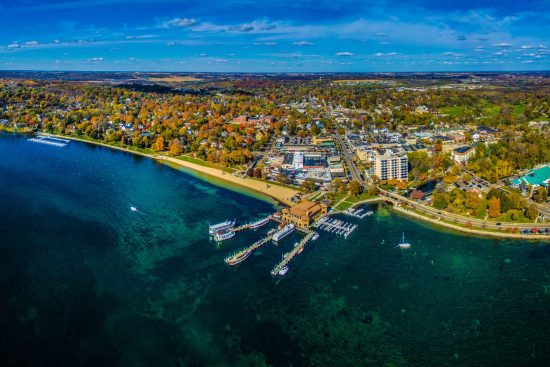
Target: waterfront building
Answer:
[[303, 213], [388, 164], [461, 155], [537, 177]]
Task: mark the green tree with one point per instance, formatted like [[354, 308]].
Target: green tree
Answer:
[[355, 188], [532, 212]]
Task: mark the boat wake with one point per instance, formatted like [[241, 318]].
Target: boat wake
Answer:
[[136, 210]]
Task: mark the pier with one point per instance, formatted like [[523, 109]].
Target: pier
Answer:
[[290, 255], [248, 225], [256, 245]]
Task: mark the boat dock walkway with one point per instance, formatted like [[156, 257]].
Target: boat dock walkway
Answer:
[[247, 225], [336, 226], [290, 255], [256, 245], [358, 213]]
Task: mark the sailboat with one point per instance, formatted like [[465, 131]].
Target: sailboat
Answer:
[[403, 244]]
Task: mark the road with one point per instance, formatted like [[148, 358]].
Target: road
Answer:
[[459, 218], [348, 158]]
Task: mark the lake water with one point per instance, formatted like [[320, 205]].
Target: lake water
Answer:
[[85, 281]]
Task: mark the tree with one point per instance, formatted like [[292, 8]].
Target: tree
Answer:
[[440, 200], [338, 185], [159, 144], [176, 147], [258, 172], [308, 185], [472, 200], [417, 194], [532, 212], [355, 188], [494, 207], [401, 185], [540, 195]]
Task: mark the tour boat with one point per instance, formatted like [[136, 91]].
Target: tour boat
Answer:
[[215, 228], [403, 244], [235, 260], [283, 271], [285, 231], [260, 223], [224, 235]]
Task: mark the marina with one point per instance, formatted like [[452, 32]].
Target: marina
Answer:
[[336, 226], [358, 213]]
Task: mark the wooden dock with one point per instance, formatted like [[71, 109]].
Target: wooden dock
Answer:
[[247, 225], [290, 255]]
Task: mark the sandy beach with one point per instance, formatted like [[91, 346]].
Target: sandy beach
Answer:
[[279, 193]]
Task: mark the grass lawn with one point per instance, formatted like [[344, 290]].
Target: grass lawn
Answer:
[[452, 110], [481, 209]]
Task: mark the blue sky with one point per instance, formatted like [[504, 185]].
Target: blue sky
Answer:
[[275, 36]]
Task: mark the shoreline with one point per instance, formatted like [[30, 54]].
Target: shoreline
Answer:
[[279, 193], [283, 194], [473, 231]]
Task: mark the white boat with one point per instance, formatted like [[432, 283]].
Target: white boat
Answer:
[[224, 235], [215, 228], [403, 244], [315, 236], [133, 208], [283, 271], [288, 229], [260, 223], [235, 260]]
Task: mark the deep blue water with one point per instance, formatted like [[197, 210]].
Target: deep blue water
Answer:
[[85, 281]]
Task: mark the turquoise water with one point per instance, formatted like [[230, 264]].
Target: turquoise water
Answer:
[[85, 281]]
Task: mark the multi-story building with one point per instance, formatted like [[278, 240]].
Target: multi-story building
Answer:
[[388, 164], [462, 154], [303, 213]]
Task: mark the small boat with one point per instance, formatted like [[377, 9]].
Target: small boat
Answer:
[[283, 271], [403, 244], [271, 231], [215, 228], [315, 236], [224, 235], [301, 250], [133, 208], [260, 223]]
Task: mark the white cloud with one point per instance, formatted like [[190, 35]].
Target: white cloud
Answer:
[[527, 47], [96, 59], [13, 45], [180, 22], [303, 43], [344, 53], [31, 43], [502, 44], [381, 54], [452, 54], [265, 43]]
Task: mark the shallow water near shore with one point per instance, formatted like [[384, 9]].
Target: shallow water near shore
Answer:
[[85, 281]]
